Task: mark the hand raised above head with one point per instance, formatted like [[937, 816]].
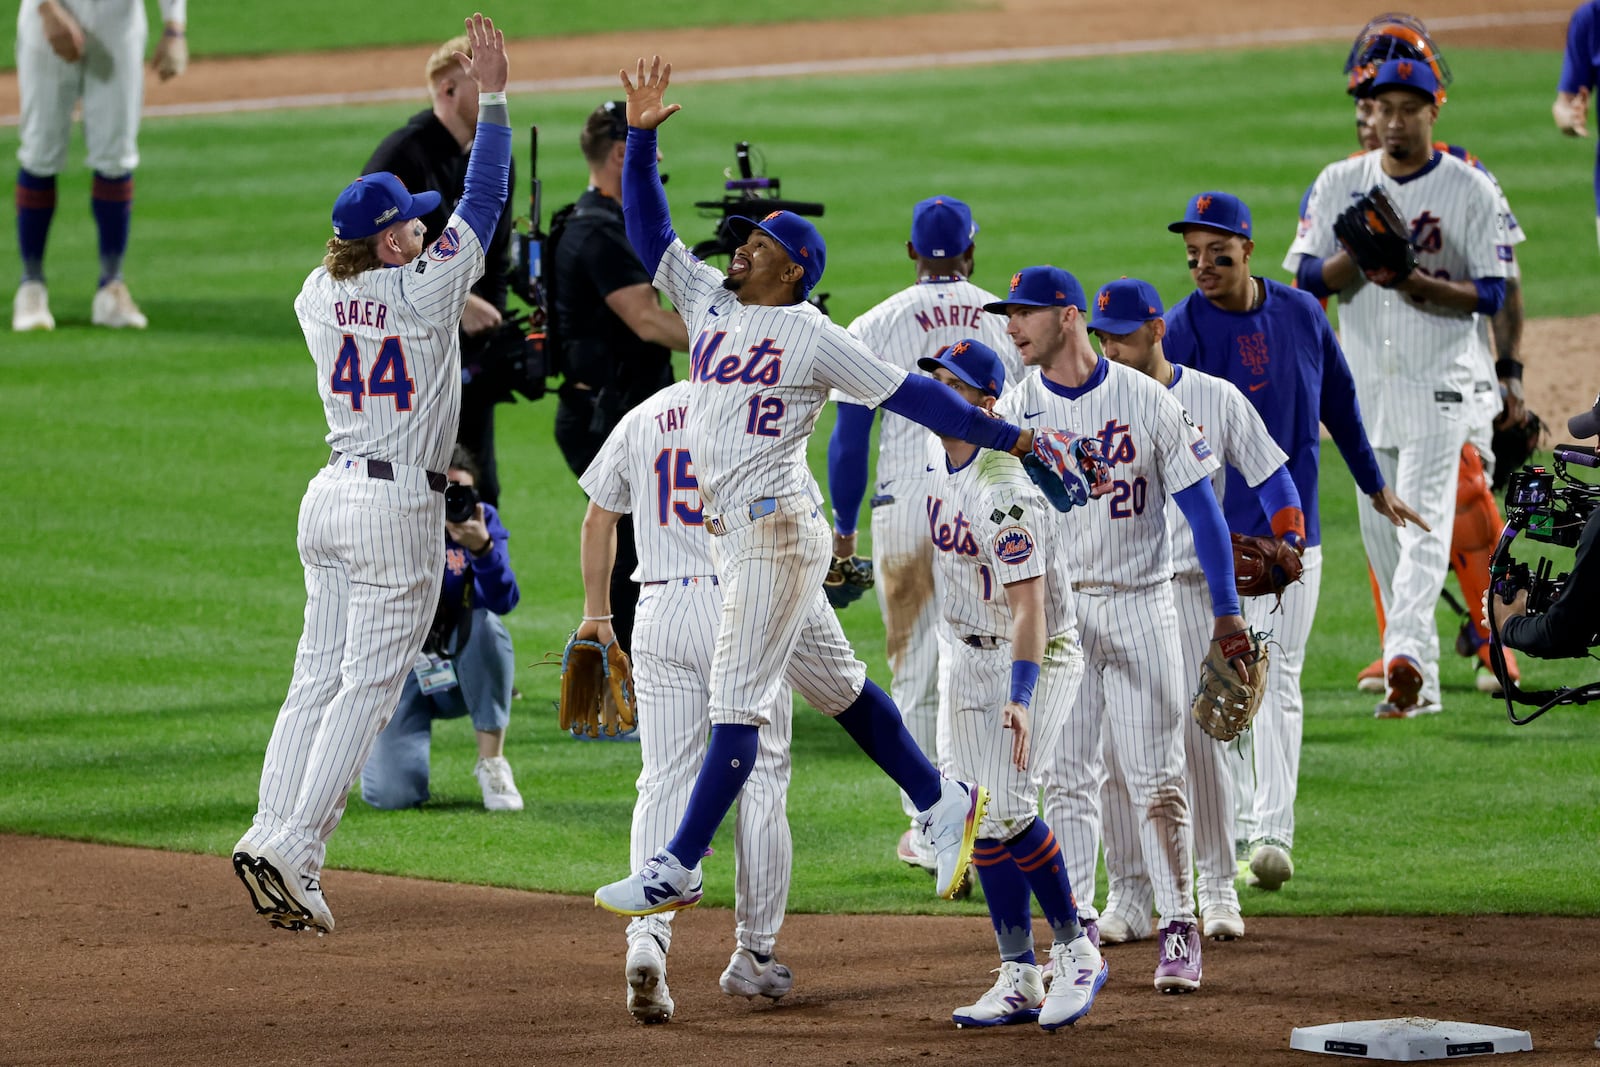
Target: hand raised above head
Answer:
[[645, 89], [487, 65]]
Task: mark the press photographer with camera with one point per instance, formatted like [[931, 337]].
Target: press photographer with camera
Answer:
[[466, 665], [1558, 619]]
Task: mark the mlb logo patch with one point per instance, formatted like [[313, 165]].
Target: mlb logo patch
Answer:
[[1013, 545], [448, 244], [1201, 450]]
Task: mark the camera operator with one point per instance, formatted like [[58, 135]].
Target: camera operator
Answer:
[[430, 153], [615, 337], [466, 665], [1574, 616]]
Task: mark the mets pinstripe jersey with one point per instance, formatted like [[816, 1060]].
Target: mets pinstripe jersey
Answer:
[[1415, 365], [760, 377], [990, 527], [388, 351], [918, 321], [1237, 435], [1154, 450], [645, 467]]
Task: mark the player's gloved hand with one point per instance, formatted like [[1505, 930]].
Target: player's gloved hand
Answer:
[[1379, 241], [1067, 468], [847, 580]]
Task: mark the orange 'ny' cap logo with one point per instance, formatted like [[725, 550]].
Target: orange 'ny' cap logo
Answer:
[[959, 347], [1202, 204], [772, 216], [1016, 281], [1103, 300], [1405, 70]]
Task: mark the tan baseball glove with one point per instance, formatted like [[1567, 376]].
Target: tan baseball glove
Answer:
[[1224, 705], [596, 688]]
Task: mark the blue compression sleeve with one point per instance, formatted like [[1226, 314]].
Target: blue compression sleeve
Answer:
[[1024, 677], [1491, 295], [644, 202], [925, 401], [1308, 276], [1199, 506], [1278, 492], [847, 464], [488, 182]]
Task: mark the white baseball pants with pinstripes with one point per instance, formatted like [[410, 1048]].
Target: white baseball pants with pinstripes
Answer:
[[1132, 690], [673, 638], [374, 559], [980, 746]]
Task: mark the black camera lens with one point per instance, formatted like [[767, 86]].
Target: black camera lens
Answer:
[[460, 502]]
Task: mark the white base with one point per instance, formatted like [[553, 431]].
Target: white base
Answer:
[[1408, 1039]]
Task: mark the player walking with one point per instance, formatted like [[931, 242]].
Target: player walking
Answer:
[[371, 531], [1274, 343], [941, 308], [645, 465], [1121, 572], [1015, 666], [762, 363], [1414, 349], [1127, 319]]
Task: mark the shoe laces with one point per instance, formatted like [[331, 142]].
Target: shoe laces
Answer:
[[497, 773], [1176, 945]]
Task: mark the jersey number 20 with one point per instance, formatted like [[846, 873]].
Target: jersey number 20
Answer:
[[388, 377]]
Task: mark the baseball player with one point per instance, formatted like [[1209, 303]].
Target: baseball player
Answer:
[[1127, 320], [940, 309], [1121, 571], [371, 532], [1015, 666], [1415, 349], [1477, 518], [90, 51], [1275, 345], [762, 363], [1580, 71], [645, 464]]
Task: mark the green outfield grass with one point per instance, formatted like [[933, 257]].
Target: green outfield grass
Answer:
[[149, 586]]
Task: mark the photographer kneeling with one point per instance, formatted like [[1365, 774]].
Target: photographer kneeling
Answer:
[[1568, 626], [466, 664]]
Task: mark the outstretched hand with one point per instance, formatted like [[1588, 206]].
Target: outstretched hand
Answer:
[[645, 89], [487, 65], [1396, 510]]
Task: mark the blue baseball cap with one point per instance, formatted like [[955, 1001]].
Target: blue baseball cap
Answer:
[[942, 227], [374, 202], [1125, 305], [1413, 74], [973, 362], [1042, 287], [795, 235], [1215, 211]]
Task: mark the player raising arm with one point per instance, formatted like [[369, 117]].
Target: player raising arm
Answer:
[[762, 363]]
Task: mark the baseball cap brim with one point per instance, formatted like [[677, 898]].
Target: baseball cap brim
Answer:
[[930, 364], [1118, 326], [1585, 424], [1188, 224], [422, 203], [999, 306]]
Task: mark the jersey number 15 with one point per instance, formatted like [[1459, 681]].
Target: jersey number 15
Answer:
[[388, 376]]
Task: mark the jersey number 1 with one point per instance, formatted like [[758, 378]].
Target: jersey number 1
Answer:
[[388, 377]]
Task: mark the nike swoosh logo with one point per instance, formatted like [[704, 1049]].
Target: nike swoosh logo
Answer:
[[887, 484], [712, 312], [1259, 386], [1032, 414], [930, 470]]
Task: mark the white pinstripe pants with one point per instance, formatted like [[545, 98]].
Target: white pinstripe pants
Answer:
[[1132, 684], [673, 638], [374, 559]]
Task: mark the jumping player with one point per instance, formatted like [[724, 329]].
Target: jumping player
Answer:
[[1127, 320], [940, 309], [1580, 70], [1274, 343], [1414, 349], [372, 521], [645, 465], [1015, 667], [90, 51], [1121, 572], [762, 363]]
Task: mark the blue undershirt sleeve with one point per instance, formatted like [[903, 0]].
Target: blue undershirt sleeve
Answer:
[[847, 464], [1278, 492], [644, 202], [1308, 276], [1199, 506], [1491, 294], [926, 402], [483, 196], [1340, 412]]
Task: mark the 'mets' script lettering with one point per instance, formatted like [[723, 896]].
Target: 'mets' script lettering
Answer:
[[758, 365], [362, 313], [954, 315], [950, 537]]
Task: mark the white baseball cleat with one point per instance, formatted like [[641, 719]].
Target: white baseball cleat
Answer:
[[648, 999], [499, 788], [114, 307], [1080, 972], [949, 829], [1270, 864], [1223, 922], [30, 308], [1014, 998], [290, 899], [663, 884], [1115, 930], [748, 977]]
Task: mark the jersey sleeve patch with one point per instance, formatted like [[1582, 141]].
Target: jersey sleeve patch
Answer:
[[1201, 450], [446, 247], [1504, 252], [1013, 545]]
